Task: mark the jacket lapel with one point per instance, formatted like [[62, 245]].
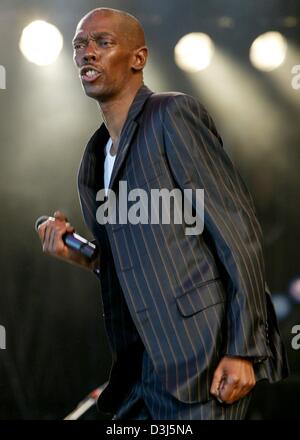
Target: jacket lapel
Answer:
[[128, 130], [90, 175], [91, 172]]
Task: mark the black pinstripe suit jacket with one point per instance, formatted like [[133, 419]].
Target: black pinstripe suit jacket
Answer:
[[192, 298]]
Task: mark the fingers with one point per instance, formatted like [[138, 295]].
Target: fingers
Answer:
[[235, 388], [233, 379], [54, 230], [229, 389], [47, 235], [216, 383], [235, 393], [51, 233]]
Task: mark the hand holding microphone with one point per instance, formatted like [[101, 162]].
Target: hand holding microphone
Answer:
[[59, 239]]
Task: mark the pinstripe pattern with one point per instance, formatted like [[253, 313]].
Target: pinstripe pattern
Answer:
[[191, 299], [148, 400]]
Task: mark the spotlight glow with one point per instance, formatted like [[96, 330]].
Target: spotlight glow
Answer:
[[268, 51], [194, 52], [41, 43]]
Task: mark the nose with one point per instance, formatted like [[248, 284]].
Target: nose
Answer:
[[89, 56]]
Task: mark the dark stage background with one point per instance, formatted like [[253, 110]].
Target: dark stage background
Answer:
[[56, 348]]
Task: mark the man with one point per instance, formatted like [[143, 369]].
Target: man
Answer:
[[190, 323]]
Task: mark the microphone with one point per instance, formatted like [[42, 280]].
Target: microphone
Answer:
[[73, 241], [86, 403]]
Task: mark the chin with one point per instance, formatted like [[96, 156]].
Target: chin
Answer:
[[95, 92], [91, 91]]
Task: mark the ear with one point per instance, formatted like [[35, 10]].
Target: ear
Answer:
[[140, 58]]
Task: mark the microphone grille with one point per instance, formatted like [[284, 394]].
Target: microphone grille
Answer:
[[40, 220]]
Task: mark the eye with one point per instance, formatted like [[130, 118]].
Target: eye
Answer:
[[104, 43], [78, 46]]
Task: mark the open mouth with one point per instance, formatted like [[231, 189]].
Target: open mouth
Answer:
[[89, 74]]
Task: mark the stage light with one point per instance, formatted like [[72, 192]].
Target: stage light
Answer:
[[290, 21], [226, 22], [268, 51], [41, 43], [194, 52]]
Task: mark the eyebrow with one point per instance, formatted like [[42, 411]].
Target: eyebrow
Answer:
[[95, 35]]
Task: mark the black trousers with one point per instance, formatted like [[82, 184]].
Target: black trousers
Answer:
[[148, 400]]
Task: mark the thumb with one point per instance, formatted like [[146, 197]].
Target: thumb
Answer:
[[69, 229], [58, 215]]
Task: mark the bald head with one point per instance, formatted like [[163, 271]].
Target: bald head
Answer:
[[129, 26], [110, 52]]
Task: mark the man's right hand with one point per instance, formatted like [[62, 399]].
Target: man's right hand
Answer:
[[51, 233]]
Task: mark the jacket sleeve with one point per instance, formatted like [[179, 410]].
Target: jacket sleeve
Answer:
[[197, 160]]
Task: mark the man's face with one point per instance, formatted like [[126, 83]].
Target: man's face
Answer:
[[103, 56]]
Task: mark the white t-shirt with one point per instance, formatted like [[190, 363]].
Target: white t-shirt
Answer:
[[108, 164]]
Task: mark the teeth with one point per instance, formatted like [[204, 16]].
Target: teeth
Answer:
[[91, 73]]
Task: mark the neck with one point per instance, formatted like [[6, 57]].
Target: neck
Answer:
[[115, 111]]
